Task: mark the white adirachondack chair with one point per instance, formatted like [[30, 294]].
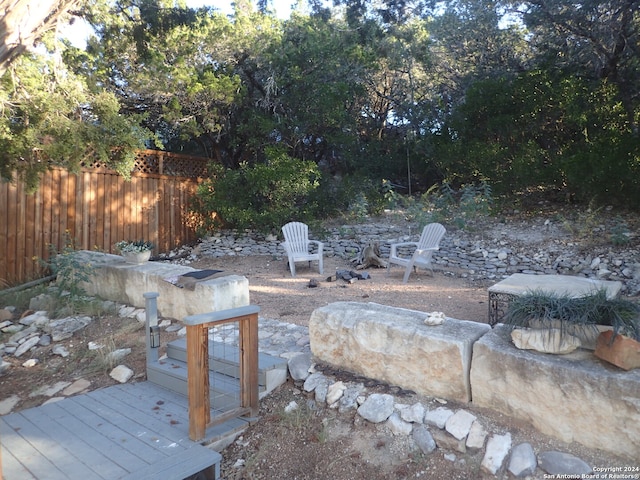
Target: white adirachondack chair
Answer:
[[296, 244], [429, 242]]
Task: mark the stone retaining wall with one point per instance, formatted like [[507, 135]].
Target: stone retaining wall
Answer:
[[575, 397]]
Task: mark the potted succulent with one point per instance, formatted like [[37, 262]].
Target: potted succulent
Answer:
[[135, 251]]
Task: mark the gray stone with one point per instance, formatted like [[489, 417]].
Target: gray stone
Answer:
[[4, 368], [348, 400], [299, 366], [64, 328], [26, 346], [377, 408], [459, 424], [397, 425], [60, 350], [7, 404], [446, 441], [49, 390], [497, 450], [118, 354], [578, 389], [560, 463], [411, 413], [438, 416], [423, 438], [376, 340], [477, 436], [321, 391], [313, 380], [23, 333], [78, 386], [523, 460]]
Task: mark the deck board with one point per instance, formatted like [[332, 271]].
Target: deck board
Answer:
[[136, 430]]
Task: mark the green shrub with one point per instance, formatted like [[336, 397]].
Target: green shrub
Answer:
[[262, 197]]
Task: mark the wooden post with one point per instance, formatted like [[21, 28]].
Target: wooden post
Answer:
[[249, 362], [198, 381]]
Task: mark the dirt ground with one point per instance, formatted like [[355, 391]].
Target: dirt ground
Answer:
[[290, 299], [311, 442]]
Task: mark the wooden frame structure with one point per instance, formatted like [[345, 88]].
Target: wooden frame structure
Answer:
[[198, 366]]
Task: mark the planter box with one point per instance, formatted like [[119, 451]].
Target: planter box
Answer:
[[623, 352]]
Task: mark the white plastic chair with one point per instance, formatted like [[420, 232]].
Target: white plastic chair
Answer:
[[296, 244], [429, 242]]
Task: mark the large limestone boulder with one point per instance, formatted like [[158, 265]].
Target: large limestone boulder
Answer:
[[573, 397], [395, 345], [114, 279]]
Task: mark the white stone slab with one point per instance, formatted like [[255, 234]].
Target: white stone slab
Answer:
[[521, 283], [113, 279], [395, 346]]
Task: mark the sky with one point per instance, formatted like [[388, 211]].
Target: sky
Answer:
[[80, 30]]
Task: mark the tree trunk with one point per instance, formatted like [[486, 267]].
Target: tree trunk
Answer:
[[23, 22]]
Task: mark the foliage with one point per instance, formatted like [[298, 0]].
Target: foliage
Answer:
[[538, 309], [263, 196], [72, 270], [444, 204], [134, 246], [49, 118]]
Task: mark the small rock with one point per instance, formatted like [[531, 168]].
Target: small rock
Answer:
[[26, 346], [118, 354], [377, 408], [8, 403], [459, 424], [32, 362], [438, 416], [497, 450], [434, 318], [523, 460], [413, 413], [423, 438], [397, 425], [291, 406], [477, 436], [334, 392], [121, 374], [78, 386], [60, 350], [299, 366], [559, 463]]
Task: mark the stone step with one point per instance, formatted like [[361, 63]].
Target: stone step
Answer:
[[224, 391], [224, 359]]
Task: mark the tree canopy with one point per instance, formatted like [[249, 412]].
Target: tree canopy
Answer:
[[518, 94]]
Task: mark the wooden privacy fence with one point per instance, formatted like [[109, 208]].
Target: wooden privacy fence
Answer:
[[95, 209]]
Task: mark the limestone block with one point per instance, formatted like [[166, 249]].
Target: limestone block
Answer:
[[573, 397], [395, 346], [113, 279]]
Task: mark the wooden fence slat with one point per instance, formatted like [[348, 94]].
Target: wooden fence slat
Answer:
[[95, 208]]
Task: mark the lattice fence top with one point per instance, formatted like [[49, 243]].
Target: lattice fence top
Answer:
[[163, 163]]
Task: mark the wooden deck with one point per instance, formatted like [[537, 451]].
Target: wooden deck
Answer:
[[132, 431]]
